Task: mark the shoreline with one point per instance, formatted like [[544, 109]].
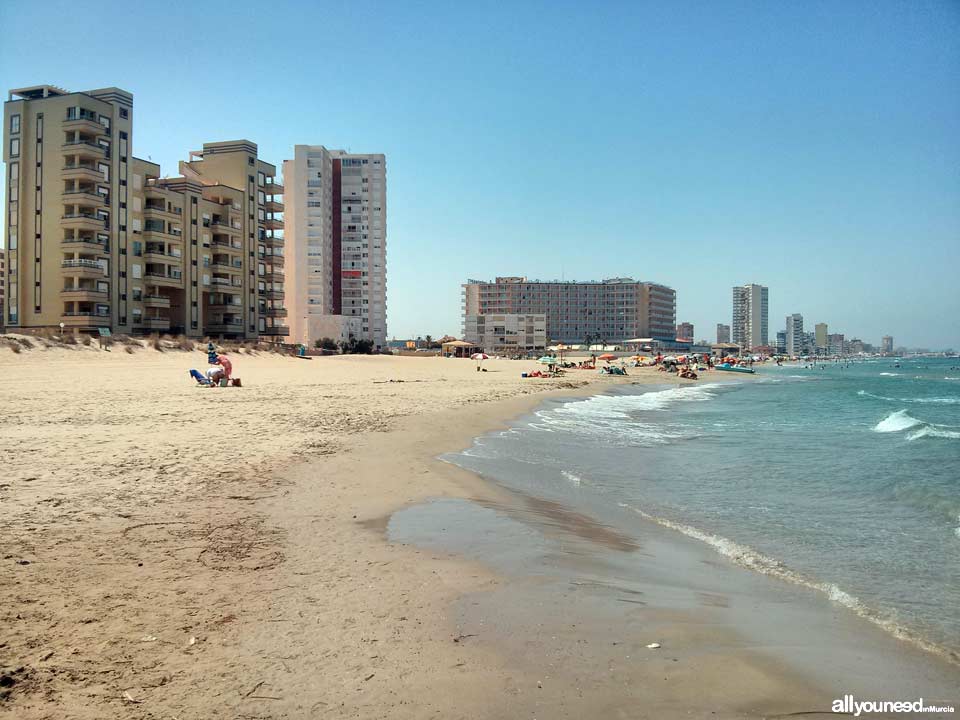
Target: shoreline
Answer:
[[933, 659]]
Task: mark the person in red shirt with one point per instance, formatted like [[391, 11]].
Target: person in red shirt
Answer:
[[224, 362]]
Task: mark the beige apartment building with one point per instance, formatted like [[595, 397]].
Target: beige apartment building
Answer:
[[507, 334], [97, 238], [608, 311]]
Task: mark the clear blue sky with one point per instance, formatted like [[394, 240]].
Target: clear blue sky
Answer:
[[810, 146]]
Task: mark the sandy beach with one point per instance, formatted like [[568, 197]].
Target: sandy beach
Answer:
[[178, 552]]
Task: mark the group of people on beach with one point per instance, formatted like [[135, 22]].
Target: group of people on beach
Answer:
[[220, 372]]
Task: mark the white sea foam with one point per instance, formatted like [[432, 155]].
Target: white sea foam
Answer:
[[751, 559], [573, 478], [635, 419], [896, 422], [923, 401], [891, 374], [934, 431]]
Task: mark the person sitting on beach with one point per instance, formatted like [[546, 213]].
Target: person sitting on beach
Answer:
[[214, 376]]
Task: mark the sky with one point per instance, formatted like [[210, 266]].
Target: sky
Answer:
[[813, 147]]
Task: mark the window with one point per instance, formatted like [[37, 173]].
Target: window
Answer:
[[14, 124], [15, 147], [137, 248], [124, 114], [138, 294]]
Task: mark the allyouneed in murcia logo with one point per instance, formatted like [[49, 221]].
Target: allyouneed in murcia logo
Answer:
[[848, 705]]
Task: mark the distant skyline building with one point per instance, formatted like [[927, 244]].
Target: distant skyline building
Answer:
[[794, 334], [685, 330], [750, 326], [507, 334], [336, 240], [782, 342], [723, 333], [835, 344], [609, 311], [886, 344], [820, 336]]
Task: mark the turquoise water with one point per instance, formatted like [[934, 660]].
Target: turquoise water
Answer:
[[843, 478]]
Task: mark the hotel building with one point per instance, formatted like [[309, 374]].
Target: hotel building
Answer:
[[796, 340], [723, 333], [507, 334], [579, 312], [97, 239], [685, 331], [750, 324], [820, 336], [336, 215]]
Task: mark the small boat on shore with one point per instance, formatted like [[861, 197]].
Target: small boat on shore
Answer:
[[727, 367]]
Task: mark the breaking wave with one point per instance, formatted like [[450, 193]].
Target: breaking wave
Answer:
[[902, 420]]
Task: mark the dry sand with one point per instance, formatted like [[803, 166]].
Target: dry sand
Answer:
[[177, 552]]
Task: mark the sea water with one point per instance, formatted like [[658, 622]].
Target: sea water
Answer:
[[842, 477]]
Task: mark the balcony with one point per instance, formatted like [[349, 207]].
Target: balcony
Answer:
[[275, 330], [272, 241], [156, 301], [160, 211], [156, 323], [275, 260], [82, 268], [159, 235], [83, 197], [234, 246], [85, 319], [272, 224], [222, 226], [162, 257], [226, 307], [222, 267], [83, 245], [273, 206], [273, 277], [271, 294], [155, 278], [273, 312], [82, 172], [80, 294], [272, 187], [84, 149], [84, 124], [225, 327]]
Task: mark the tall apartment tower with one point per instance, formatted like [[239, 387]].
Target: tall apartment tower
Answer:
[[613, 310], [67, 159], [97, 239], [685, 331], [750, 326], [795, 337], [886, 345], [723, 333], [336, 217], [821, 337]]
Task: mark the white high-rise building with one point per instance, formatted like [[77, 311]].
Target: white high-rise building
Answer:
[[336, 244], [750, 324], [796, 340]]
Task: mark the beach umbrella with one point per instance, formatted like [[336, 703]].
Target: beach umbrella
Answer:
[[607, 356], [669, 358], [547, 360], [479, 356]]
